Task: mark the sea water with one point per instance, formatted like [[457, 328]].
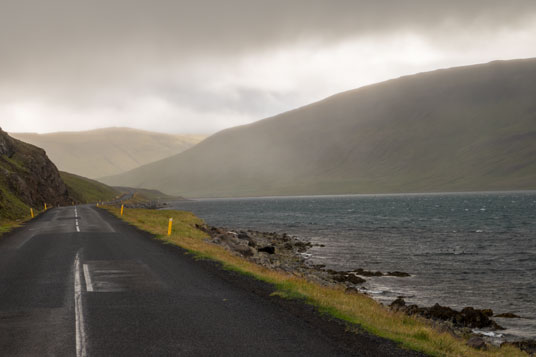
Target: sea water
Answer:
[[461, 249]]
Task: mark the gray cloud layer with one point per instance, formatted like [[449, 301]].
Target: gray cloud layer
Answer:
[[104, 53]]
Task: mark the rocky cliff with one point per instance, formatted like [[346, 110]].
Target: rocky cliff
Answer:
[[27, 179]]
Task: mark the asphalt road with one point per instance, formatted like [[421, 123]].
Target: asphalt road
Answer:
[[78, 282]]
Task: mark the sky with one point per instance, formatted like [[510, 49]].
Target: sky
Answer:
[[201, 66]]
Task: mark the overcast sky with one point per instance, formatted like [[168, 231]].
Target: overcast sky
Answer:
[[201, 66]]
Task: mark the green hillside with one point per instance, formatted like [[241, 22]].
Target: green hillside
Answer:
[[28, 179], [148, 194], [86, 190], [459, 129], [105, 152]]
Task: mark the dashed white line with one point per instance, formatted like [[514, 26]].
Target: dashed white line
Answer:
[[76, 219], [79, 311], [87, 277]]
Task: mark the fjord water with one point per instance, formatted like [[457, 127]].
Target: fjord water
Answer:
[[462, 249]]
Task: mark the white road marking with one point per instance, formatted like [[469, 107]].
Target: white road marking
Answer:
[[89, 283], [76, 217], [79, 311]]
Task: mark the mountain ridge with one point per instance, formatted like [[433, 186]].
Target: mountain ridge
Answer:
[[107, 151], [459, 129]]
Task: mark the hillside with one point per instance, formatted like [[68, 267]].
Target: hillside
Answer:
[[458, 129], [105, 152], [147, 194], [27, 179], [85, 190]]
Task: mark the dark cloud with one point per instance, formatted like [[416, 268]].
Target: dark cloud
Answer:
[[100, 52], [80, 34]]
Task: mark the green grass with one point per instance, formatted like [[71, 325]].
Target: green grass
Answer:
[[6, 226], [357, 309], [85, 190]]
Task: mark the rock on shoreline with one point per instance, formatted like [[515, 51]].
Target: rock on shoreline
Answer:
[[280, 251], [467, 317]]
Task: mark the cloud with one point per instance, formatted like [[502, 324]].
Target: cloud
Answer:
[[205, 65]]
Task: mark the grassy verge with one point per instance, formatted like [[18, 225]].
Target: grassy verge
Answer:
[[7, 225], [410, 332]]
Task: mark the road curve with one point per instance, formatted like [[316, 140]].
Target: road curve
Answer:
[[78, 282]]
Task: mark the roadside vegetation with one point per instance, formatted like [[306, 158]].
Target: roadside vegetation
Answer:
[[411, 332]]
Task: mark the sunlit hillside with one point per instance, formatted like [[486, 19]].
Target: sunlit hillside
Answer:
[[468, 128], [105, 152]]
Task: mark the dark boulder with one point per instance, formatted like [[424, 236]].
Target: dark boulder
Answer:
[[302, 246], [318, 266], [399, 274], [367, 273], [398, 304], [438, 312], [477, 319], [468, 317], [355, 279], [268, 249], [348, 278], [243, 235], [509, 315]]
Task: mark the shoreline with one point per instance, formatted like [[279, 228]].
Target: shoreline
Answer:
[[286, 253], [358, 312]]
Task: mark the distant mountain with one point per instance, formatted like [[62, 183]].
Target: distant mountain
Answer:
[[110, 151], [458, 129]]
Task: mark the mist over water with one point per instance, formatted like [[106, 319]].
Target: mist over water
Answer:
[[467, 249]]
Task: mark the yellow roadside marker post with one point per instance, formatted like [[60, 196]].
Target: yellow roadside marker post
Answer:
[[31, 211], [170, 226], [122, 206], [45, 206]]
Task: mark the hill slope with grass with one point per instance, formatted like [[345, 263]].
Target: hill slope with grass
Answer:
[[468, 128], [27, 179], [84, 190], [110, 151]]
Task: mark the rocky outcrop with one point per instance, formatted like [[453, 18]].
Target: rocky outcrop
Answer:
[[7, 146], [286, 253], [467, 317], [272, 250], [28, 175]]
